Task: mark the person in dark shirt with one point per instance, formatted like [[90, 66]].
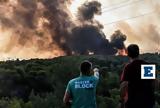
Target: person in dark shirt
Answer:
[[136, 92]]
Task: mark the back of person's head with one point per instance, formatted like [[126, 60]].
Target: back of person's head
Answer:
[[86, 67], [133, 51]]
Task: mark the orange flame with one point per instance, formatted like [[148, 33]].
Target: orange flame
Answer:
[[122, 52]]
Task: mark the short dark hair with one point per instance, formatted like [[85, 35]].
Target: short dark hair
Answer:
[[85, 67], [133, 51]]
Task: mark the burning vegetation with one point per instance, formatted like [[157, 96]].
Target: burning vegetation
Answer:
[[44, 29]]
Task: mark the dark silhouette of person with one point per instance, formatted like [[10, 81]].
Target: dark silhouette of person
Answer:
[[136, 92], [81, 91]]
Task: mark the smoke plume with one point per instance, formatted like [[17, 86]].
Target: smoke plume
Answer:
[[88, 37], [88, 10], [117, 39], [143, 30], [44, 28]]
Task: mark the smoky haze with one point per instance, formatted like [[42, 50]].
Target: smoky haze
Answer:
[[45, 28]]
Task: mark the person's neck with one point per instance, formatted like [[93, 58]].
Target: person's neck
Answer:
[[84, 75]]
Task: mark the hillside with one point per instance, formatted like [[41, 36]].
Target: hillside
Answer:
[[41, 83]]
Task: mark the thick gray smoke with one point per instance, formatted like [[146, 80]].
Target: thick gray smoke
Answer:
[[89, 37], [42, 23], [47, 24], [117, 39], [88, 10], [59, 23]]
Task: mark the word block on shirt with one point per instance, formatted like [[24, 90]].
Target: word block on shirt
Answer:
[[148, 71], [83, 84]]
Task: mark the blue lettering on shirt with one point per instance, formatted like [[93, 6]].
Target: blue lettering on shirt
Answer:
[[83, 84]]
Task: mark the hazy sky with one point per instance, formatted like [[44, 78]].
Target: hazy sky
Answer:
[[139, 19]]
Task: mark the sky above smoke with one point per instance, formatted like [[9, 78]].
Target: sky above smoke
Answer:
[[51, 28]]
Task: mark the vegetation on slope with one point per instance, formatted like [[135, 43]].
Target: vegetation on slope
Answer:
[[38, 83]]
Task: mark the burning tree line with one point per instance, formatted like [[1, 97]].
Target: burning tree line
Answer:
[[47, 25]]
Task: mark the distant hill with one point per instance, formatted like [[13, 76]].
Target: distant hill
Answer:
[[41, 83]]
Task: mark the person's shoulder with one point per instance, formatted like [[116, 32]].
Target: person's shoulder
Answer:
[[127, 65], [73, 80], [144, 62], [94, 78], [140, 61]]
